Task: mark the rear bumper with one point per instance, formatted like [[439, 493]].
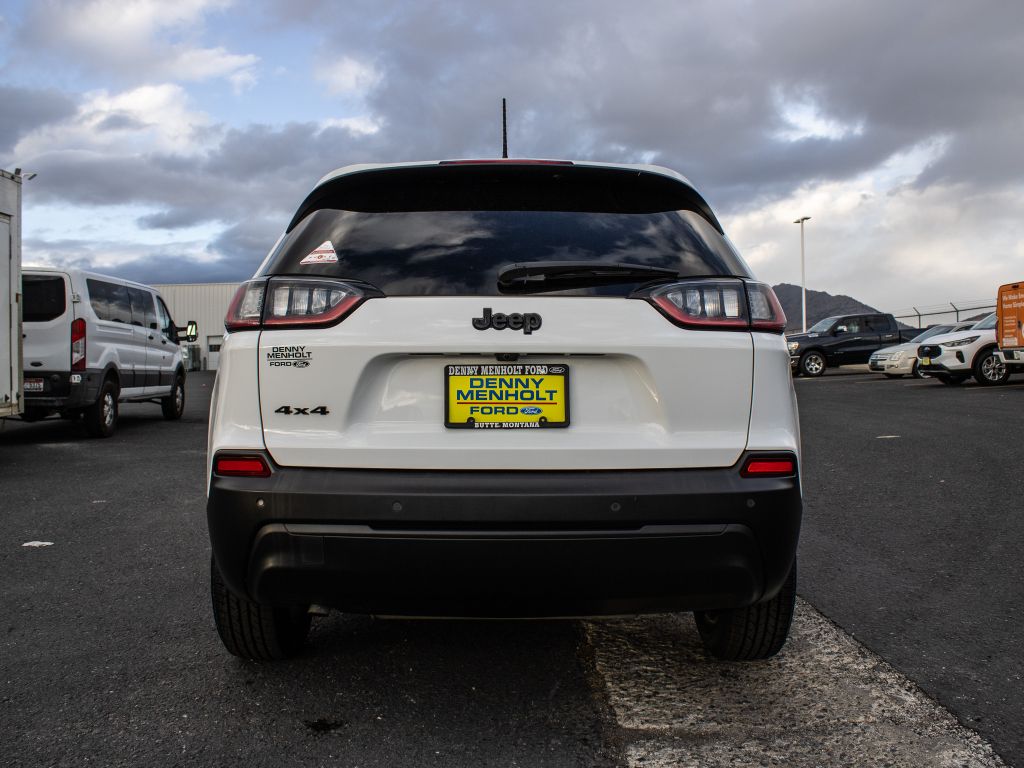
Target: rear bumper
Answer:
[[63, 389], [505, 543]]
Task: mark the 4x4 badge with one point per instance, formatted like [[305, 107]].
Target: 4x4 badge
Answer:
[[527, 322]]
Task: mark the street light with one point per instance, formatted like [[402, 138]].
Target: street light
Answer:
[[803, 279]]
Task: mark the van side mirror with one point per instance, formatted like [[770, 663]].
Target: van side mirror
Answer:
[[191, 332]]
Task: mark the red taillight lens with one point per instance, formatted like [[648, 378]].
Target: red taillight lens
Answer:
[[729, 305], [291, 301], [300, 301], [241, 466], [769, 466], [765, 311], [78, 345], [246, 309], [703, 304]]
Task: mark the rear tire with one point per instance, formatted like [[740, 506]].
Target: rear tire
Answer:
[[917, 373], [253, 631], [174, 404], [989, 370], [101, 416], [812, 363], [752, 633]]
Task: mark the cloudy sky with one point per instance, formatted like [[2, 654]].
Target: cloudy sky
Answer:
[[174, 139]]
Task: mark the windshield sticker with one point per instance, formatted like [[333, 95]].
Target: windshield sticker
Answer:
[[322, 254]]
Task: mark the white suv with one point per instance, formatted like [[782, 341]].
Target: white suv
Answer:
[[504, 389], [90, 341], [954, 357], [901, 359]]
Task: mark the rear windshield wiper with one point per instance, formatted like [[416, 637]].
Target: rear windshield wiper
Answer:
[[540, 276]]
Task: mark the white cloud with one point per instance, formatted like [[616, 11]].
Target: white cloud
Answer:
[[359, 125], [348, 77], [880, 239], [804, 118], [145, 119], [139, 38]]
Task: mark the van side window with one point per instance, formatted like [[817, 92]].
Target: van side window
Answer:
[[166, 323], [143, 312], [109, 301]]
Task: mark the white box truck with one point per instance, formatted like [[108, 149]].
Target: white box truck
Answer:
[[10, 289]]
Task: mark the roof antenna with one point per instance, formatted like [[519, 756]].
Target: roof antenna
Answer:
[[504, 130]]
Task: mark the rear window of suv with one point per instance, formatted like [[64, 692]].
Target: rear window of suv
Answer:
[[43, 298], [450, 230]]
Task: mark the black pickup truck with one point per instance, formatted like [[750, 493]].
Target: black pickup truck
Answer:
[[843, 340]]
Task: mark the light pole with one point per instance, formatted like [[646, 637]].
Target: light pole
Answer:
[[803, 278]]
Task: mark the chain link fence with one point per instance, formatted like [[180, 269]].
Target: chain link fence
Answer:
[[921, 317]]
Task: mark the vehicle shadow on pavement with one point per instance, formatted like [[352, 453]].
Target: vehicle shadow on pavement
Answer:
[[409, 692]]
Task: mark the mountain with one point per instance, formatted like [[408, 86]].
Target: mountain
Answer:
[[819, 305]]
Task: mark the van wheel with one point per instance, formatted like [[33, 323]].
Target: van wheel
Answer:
[[812, 363], [174, 404], [254, 631], [989, 370], [101, 416], [747, 634]]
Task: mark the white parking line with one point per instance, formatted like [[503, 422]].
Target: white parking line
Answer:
[[825, 700]]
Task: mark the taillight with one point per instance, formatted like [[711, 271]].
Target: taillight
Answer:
[[703, 304], [731, 305], [291, 302], [769, 466], [765, 311], [78, 345], [246, 308], [241, 466]]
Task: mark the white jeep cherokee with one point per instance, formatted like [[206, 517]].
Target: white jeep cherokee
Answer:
[[504, 389]]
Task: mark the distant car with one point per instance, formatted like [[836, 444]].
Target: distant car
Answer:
[[955, 357], [91, 341], [901, 359], [842, 340]]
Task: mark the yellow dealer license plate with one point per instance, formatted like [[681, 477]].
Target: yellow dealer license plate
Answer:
[[506, 396]]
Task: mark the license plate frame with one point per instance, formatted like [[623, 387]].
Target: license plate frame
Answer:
[[504, 421], [33, 385]]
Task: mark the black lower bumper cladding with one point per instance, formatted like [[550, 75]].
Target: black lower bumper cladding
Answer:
[[505, 544], [63, 389]]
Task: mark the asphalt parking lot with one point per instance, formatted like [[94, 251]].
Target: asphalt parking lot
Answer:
[[909, 570]]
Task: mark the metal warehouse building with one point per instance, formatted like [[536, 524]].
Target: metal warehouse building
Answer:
[[206, 303]]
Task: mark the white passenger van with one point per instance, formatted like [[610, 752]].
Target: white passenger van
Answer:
[[91, 341]]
